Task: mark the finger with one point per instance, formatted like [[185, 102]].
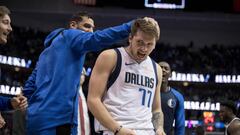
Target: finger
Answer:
[[23, 99], [16, 100], [23, 106]]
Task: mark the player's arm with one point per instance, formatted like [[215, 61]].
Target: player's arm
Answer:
[[104, 66], [30, 87], [179, 116], [95, 41], [235, 129], [5, 103], [158, 118]]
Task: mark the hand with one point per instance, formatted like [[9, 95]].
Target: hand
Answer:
[[2, 121], [126, 131], [19, 103], [160, 131]]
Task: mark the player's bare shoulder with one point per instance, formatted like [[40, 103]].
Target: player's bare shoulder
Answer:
[[107, 58], [236, 125], [108, 52], [159, 71], [234, 128]]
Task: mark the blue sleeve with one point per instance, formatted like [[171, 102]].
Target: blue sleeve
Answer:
[[30, 86], [179, 115], [94, 41], [5, 103]]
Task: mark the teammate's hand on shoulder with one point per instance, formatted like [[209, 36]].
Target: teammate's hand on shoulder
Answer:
[[126, 131]]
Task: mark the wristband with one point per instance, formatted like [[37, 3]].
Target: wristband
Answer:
[[117, 130]]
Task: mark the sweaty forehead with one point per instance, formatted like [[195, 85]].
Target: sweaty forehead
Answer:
[[164, 64]]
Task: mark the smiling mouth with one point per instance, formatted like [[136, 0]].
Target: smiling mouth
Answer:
[[5, 34]]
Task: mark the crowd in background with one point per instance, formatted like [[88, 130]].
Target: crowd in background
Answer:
[[24, 43], [216, 58], [27, 43]]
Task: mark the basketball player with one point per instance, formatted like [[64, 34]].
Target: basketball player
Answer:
[[83, 122], [172, 104], [19, 102], [228, 115], [124, 87], [53, 87]]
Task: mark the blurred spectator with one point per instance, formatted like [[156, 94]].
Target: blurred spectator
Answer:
[[199, 130]]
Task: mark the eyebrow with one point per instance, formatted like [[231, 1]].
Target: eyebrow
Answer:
[[6, 20]]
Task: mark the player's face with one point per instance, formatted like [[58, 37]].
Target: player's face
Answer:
[[223, 113], [141, 45], [87, 24], [166, 71], [5, 28]]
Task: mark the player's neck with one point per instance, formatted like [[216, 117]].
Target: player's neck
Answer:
[[165, 87], [231, 118], [130, 53]]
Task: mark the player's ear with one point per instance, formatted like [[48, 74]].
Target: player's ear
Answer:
[[73, 24], [130, 38]]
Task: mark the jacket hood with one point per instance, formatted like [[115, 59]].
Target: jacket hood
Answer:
[[51, 37]]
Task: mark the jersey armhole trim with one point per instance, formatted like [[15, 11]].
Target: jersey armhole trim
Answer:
[[114, 75]]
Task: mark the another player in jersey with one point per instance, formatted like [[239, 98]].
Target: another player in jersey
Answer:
[[125, 85], [172, 104], [228, 115]]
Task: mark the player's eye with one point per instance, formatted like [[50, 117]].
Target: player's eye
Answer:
[[87, 25]]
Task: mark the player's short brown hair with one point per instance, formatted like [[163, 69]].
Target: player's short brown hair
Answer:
[[4, 11], [146, 26]]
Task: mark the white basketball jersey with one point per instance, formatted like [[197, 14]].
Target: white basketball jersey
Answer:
[[129, 98]]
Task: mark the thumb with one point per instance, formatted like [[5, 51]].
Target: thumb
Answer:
[[16, 99]]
